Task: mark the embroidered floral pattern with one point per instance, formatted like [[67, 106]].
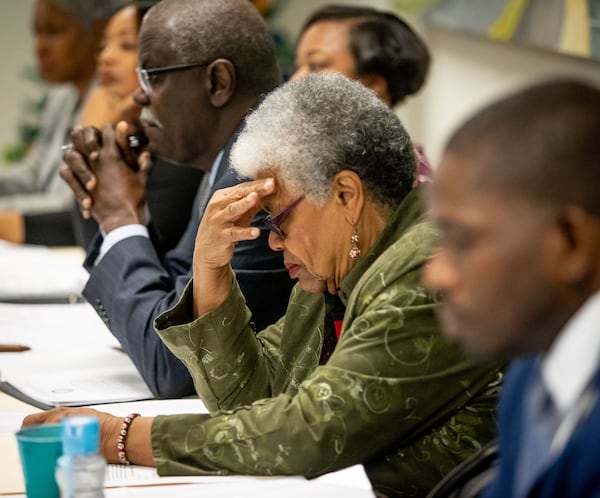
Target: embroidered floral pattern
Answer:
[[394, 394]]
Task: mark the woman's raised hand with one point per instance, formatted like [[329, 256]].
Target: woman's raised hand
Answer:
[[226, 221]]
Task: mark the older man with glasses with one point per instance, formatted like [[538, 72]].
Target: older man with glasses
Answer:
[[145, 75], [191, 114]]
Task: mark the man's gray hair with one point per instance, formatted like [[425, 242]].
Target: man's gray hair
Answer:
[[86, 12], [308, 130], [205, 30]]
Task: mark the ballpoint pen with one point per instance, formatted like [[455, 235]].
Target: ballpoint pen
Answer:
[[13, 348]]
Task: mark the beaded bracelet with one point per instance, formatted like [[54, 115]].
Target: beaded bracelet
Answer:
[[123, 437]]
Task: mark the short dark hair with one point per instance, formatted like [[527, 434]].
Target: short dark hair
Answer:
[[542, 143], [228, 29], [381, 43]]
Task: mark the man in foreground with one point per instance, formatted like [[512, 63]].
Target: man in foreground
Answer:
[[516, 198]]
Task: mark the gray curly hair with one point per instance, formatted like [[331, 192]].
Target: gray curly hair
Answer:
[[309, 129], [86, 12]]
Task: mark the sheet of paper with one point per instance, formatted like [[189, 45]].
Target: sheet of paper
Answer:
[[74, 359], [144, 482], [354, 477], [153, 407], [140, 483], [52, 326], [269, 489], [77, 387], [28, 271], [134, 475]]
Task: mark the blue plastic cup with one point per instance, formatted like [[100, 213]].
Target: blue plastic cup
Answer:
[[40, 446]]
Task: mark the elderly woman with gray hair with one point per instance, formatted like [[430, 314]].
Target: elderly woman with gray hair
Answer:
[[357, 370]]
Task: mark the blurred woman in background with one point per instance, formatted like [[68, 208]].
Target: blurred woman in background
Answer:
[[376, 48], [112, 99], [34, 202]]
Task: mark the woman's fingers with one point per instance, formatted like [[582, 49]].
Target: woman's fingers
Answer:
[[235, 209], [236, 202], [227, 219], [55, 415], [48, 417], [261, 187], [230, 223], [237, 234]]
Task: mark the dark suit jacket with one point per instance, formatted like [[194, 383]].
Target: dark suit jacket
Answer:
[[574, 472], [170, 191], [132, 284]]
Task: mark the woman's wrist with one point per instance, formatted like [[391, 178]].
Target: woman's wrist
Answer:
[[111, 427], [211, 288], [138, 444]]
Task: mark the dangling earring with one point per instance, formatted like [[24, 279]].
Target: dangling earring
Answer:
[[354, 252]]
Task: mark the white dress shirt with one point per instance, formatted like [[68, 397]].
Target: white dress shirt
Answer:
[[569, 366], [136, 230]]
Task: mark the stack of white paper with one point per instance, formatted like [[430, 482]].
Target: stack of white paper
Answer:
[[351, 482], [36, 272], [87, 386], [74, 360], [45, 327]]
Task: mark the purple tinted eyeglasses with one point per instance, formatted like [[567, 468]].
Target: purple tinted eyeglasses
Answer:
[[273, 222]]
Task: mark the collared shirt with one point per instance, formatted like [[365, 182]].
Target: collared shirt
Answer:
[[569, 366], [138, 230]]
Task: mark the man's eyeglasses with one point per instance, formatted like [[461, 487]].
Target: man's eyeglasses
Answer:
[[145, 75], [273, 222]]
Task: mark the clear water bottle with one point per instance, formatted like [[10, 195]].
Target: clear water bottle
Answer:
[[80, 470]]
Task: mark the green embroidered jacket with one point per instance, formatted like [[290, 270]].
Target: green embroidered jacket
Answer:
[[395, 395]]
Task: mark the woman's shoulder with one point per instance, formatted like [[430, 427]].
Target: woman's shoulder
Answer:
[[59, 104], [61, 94], [396, 275], [411, 250]]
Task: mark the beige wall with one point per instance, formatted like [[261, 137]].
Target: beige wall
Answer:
[[467, 71], [16, 55]]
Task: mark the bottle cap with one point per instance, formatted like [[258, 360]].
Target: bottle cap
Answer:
[[80, 435]]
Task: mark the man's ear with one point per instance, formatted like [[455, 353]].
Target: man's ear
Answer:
[[579, 245], [221, 81], [349, 194]]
